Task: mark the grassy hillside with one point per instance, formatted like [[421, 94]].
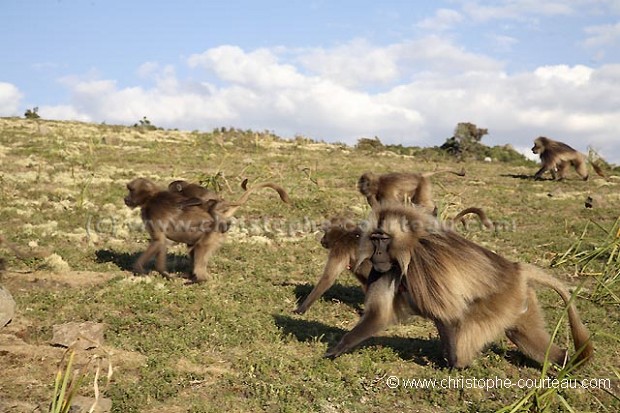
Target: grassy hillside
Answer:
[[233, 344]]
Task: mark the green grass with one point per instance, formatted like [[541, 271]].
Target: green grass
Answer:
[[233, 344]]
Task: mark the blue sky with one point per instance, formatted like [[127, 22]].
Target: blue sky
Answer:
[[405, 71]]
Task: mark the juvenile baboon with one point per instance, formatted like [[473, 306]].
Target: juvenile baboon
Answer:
[[401, 187], [190, 190], [342, 239], [472, 294], [559, 156], [201, 227]]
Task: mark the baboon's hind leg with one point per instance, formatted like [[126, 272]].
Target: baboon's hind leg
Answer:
[[531, 337]]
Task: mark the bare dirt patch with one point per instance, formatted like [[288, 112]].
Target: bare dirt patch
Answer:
[[32, 362], [72, 279]]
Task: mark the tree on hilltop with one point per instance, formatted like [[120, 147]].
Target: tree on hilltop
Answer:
[[466, 138]]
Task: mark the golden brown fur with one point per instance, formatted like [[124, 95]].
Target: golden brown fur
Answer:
[[559, 156], [342, 239], [472, 294], [193, 191], [200, 226], [400, 187], [460, 217]]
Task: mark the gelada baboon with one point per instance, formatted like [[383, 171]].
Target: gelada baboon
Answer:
[[559, 156], [201, 228], [193, 191], [342, 239], [401, 187], [472, 294]]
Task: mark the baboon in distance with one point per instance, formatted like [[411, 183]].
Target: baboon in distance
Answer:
[[472, 294], [202, 226], [557, 155], [342, 239], [400, 187]]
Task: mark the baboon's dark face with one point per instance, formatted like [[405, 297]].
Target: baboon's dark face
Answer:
[[325, 241], [380, 259], [177, 186], [140, 191], [363, 185], [540, 145], [129, 199]]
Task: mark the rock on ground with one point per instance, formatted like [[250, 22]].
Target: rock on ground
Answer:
[[81, 336], [7, 307]]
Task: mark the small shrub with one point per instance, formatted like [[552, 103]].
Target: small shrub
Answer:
[[32, 113], [145, 124], [505, 153], [68, 381], [600, 258], [370, 145], [215, 182]]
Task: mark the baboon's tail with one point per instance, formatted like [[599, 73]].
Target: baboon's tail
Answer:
[[440, 171], [581, 336], [477, 211], [22, 255], [249, 191], [597, 168]]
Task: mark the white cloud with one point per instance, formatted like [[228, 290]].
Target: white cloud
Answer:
[[103, 100], [351, 64], [577, 75], [431, 86], [254, 90], [515, 9], [95, 88], [45, 66], [441, 56], [602, 35], [358, 64], [574, 104], [10, 100], [444, 19], [503, 43], [62, 112], [147, 69], [259, 68]]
